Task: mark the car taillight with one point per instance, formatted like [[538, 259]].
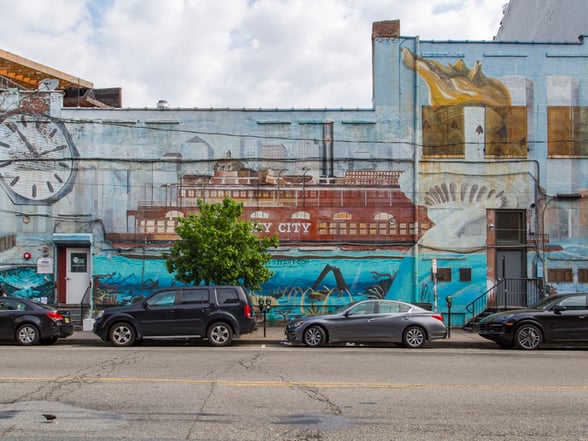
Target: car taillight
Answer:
[[438, 317], [54, 315], [247, 311]]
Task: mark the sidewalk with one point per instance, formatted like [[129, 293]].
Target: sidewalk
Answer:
[[274, 335]]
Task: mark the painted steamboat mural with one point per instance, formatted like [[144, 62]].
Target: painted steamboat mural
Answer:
[[473, 156]]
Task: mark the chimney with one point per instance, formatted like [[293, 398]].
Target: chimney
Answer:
[[386, 29]]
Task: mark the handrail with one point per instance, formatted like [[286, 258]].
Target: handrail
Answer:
[[85, 304], [507, 293]]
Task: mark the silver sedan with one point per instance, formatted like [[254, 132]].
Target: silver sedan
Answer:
[[369, 321]]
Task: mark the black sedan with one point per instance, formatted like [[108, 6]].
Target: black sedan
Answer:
[[559, 319], [27, 322], [369, 321]]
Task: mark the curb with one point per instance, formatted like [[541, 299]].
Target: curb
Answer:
[[275, 336]]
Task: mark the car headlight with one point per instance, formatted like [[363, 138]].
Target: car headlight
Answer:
[[99, 315], [297, 324]]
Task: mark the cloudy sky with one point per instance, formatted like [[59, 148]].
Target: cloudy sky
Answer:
[[230, 53]]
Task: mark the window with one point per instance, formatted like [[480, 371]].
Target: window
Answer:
[[567, 131], [390, 307], [444, 274], [195, 296], [165, 298], [79, 262], [574, 303], [510, 227], [9, 305], [560, 275], [465, 274], [227, 295], [363, 308], [443, 131], [582, 275], [506, 131]]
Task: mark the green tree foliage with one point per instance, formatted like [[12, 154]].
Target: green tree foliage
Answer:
[[217, 248]]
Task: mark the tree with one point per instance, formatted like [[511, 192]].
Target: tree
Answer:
[[219, 249]]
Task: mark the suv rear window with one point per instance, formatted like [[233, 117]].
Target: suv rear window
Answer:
[[227, 295]]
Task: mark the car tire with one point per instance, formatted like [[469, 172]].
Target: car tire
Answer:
[[48, 341], [219, 334], [122, 334], [27, 335], [414, 337], [528, 337], [314, 336]]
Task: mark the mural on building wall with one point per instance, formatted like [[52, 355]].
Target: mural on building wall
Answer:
[[354, 217], [37, 158], [26, 282]]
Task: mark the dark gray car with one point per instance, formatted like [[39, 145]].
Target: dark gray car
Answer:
[[370, 321]]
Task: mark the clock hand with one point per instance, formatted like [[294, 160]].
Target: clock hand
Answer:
[[56, 149], [15, 128]]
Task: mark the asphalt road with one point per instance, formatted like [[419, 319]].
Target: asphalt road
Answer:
[[266, 391]]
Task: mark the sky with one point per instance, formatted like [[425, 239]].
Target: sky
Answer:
[[230, 53]]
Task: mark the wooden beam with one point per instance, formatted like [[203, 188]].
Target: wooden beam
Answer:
[[33, 73]]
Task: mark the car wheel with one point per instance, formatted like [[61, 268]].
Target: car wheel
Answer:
[[314, 336], [48, 341], [27, 335], [122, 334], [219, 334], [528, 337], [414, 337]]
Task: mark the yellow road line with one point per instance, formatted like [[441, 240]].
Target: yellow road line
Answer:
[[315, 384]]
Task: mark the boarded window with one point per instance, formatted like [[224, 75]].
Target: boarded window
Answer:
[[506, 131], [567, 131], [465, 274], [443, 131], [560, 275], [444, 274], [582, 275]]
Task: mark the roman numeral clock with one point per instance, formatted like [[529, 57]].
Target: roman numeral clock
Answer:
[[37, 159]]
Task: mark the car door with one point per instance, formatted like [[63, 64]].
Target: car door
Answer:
[[567, 320], [356, 324], [7, 316], [389, 322], [157, 317], [191, 312]]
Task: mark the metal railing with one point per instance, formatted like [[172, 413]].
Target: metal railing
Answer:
[[507, 294]]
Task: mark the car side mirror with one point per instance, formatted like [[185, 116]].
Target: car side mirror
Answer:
[[146, 306], [559, 309]]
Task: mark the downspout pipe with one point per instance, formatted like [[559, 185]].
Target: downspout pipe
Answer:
[[416, 154]]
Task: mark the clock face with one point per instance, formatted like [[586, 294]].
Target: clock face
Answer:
[[37, 159]]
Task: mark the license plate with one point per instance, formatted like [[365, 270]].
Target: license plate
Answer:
[[66, 319]]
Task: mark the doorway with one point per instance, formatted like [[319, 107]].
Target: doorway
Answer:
[[511, 277]]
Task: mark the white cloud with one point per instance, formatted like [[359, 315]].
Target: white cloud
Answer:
[[230, 53]]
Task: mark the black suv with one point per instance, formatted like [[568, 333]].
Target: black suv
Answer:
[[214, 312]]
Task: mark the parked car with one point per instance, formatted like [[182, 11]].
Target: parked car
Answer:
[[369, 321], [217, 313], [28, 323], [559, 319]]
